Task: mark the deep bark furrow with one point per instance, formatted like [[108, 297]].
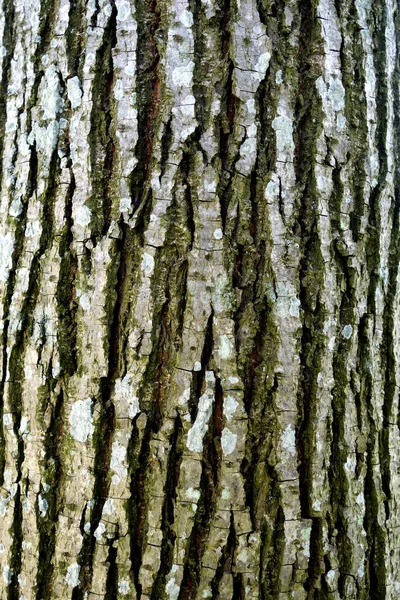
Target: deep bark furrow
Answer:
[[101, 136], [209, 484], [150, 34], [311, 265]]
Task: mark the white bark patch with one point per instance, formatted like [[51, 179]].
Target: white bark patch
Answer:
[[330, 575], [288, 440], [124, 204], [185, 397], [200, 426], [15, 207], [33, 229], [341, 122], [7, 575], [46, 138], [186, 18], [316, 505], [330, 578], [43, 505], [109, 507], [228, 441], [147, 264], [81, 215], [51, 99], [347, 331], [134, 407], [7, 419], [8, 477], [182, 76], [56, 369], [124, 391], [350, 464], [123, 387], [294, 307], [72, 576], [98, 534], [4, 502], [332, 92], [230, 406], [305, 537], [81, 421], [261, 66], [225, 347], [74, 92], [210, 377], [84, 302], [283, 127], [360, 500], [118, 455], [24, 426], [123, 587], [272, 190], [247, 154], [336, 93], [221, 294], [251, 106], [172, 589], [193, 494], [118, 90], [6, 248], [124, 11], [243, 556]]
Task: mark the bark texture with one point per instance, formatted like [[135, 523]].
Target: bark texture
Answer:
[[199, 299]]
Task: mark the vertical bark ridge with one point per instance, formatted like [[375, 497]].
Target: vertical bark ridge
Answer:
[[209, 484], [168, 517], [16, 361], [375, 533], [8, 41], [22, 293]]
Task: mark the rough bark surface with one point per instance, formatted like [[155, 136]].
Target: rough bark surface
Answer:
[[199, 281]]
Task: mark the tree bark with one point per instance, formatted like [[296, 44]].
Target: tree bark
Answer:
[[200, 305]]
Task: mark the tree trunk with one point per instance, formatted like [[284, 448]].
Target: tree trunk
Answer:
[[200, 304]]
